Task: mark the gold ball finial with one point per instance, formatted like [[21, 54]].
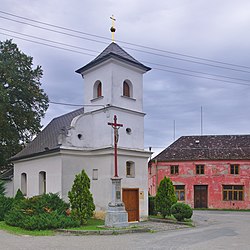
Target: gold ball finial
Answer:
[[112, 29]]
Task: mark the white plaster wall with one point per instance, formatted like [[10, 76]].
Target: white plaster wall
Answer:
[[97, 133], [9, 188], [50, 164], [112, 74], [103, 161], [101, 188]]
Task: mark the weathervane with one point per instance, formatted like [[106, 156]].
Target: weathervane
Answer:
[[112, 29]]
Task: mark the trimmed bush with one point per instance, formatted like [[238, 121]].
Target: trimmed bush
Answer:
[[47, 211], [165, 197], [181, 211], [151, 205], [5, 206]]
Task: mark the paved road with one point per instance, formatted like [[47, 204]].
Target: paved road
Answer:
[[215, 230]]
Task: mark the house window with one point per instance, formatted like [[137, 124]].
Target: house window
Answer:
[[24, 183], [127, 88], [42, 182], [234, 169], [95, 174], [233, 192], [97, 92], [180, 192], [200, 169], [130, 169], [174, 169]]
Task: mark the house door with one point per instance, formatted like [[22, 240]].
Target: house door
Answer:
[[130, 197], [200, 196]]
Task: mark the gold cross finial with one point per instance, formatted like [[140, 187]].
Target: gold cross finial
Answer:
[[112, 29]]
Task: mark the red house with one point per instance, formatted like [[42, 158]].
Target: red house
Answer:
[[207, 171]]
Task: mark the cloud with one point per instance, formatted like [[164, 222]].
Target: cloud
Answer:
[[216, 30]]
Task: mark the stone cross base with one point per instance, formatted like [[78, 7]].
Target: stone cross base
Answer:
[[116, 216]]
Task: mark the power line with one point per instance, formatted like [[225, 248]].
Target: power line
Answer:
[[152, 53], [47, 40], [137, 45], [81, 48], [170, 71], [45, 44]]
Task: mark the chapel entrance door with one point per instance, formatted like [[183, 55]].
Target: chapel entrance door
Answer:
[[130, 197], [200, 196]]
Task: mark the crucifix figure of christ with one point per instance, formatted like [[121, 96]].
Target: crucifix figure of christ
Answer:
[[115, 126]]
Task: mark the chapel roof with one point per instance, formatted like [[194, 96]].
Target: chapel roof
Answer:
[[47, 140], [113, 51], [207, 147], [7, 174]]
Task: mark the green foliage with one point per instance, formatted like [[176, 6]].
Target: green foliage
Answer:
[[47, 211], [5, 206], [2, 187], [23, 102], [151, 205], [19, 195], [181, 211], [165, 197], [81, 199]]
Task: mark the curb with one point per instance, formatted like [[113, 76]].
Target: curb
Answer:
[[167, 221], [103, 232]]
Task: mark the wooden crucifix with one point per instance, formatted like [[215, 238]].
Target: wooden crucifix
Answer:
[[115, 126]]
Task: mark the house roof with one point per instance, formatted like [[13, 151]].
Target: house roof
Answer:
[[7, 174], [113, 51], [209, 147], [47, 140]]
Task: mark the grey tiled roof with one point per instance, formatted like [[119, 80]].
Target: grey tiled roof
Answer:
[[7, 174], [47, 140], [115, 51], [210, 147]]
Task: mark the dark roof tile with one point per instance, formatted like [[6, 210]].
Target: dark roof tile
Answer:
[[47, 139], [209, 147], [115, 51]]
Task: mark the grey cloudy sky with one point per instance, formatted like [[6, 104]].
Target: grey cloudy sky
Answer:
[[214, 30]]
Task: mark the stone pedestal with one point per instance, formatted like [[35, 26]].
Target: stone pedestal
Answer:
[[116, 215]]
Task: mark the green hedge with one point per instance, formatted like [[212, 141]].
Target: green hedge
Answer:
[[46, 211], [5, 206]]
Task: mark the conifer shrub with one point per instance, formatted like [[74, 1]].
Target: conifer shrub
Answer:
[[81, 200], [181, 211], [19, 195], [47, 211], [165, 197], [5, 206]]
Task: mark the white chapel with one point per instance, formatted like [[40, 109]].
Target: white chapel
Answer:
[[82, 139]]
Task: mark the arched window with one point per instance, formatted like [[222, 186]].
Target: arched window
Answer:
[[24, 183], [126, 88], [42, 182], [97, 92], [130, 169]]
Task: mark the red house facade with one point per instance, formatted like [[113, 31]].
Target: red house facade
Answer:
[[207, 171]]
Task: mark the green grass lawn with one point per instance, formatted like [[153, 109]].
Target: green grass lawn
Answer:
[[20, 231], [93, 224]]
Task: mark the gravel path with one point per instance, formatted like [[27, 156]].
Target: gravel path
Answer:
[[161, 226]]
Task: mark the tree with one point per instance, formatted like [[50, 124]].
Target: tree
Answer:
[[81, 199], [22, 101], [165, 197]]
